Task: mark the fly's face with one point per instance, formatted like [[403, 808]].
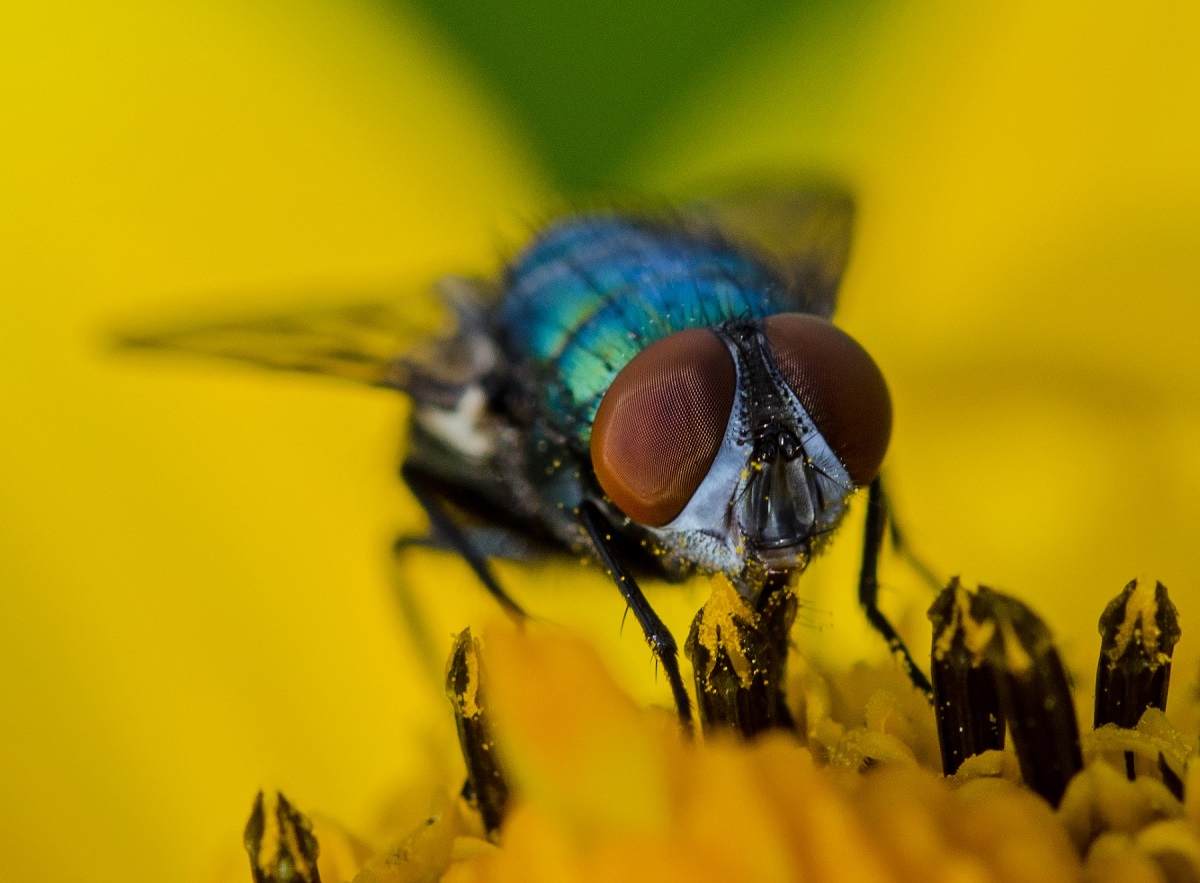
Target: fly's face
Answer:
[[739, 446]]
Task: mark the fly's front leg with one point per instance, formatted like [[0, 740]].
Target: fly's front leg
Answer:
[[868, 586], [426, 490], [662, 642]]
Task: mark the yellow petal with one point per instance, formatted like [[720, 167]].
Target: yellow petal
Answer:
[[728, 826], [576, 746], [193, 557], [1114, 859], [822, 829]]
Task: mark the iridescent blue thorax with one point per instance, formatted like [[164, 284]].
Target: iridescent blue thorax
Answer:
[[592, 292]]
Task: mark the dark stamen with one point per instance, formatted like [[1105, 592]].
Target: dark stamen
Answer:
[[280, 842], [964, 694], [1170, 778], [739, 657], [1007, 639], [1139, 629], [486, 788]]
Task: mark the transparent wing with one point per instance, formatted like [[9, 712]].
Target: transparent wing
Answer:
[[804, 232], [370, 343]]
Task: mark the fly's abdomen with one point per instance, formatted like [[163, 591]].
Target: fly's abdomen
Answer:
[[592, 292]]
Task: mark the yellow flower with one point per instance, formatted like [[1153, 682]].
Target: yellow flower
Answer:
[[192, 558], [609, 791], [599, 788]]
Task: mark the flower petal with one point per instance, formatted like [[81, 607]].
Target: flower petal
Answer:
[[576, 746], [192, 556]]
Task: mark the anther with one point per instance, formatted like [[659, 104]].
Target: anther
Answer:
[[1013, 647], [1138, 629], [739, 658], [486, 788], [964, 692], [280, 842]]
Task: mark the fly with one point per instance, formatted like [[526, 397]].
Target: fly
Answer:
[[669, 383]]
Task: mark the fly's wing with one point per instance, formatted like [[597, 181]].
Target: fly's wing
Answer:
[[804, 233], [379, 344]]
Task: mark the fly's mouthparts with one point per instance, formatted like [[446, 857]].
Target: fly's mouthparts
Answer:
[[486, 788], [1020, 680], [739, 657], [779, 509]]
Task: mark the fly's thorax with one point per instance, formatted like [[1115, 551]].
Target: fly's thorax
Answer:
[[593, 292], [738, 446]]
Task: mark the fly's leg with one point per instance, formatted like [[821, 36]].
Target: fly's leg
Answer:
[[661, 641], [489, 541], [868, 586], [425, 489], [415, 624], [900, 545]]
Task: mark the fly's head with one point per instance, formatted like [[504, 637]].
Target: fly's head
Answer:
[[739, 446]]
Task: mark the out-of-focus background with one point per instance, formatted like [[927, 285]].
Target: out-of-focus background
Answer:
[[195, 594]]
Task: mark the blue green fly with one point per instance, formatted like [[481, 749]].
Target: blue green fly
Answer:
[[662, 392]]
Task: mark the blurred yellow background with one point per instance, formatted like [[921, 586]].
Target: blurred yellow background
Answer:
[[1027, 272], [195, 587], [195, 598]]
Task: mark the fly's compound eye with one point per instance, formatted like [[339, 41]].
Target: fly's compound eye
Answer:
[[661, 423], [839, 385]]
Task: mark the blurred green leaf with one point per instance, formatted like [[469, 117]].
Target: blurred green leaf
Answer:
[[588, 79]]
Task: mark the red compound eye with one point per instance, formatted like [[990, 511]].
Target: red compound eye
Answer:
[[839, 385], [661, 423]]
